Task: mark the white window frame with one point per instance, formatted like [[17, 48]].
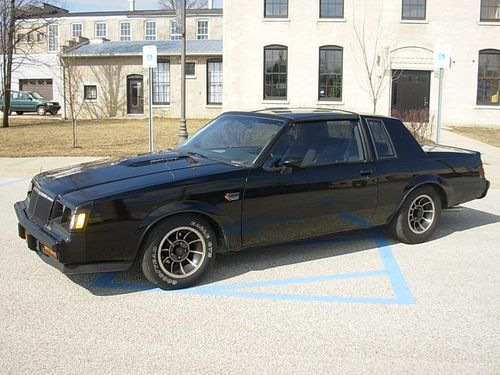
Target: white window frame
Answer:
[[53, 38], [73, 29], [151, 36], [105, 29], [126, 37], [198, 34], [176, 35]]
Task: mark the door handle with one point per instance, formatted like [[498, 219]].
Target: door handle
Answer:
[[366, 172], [426, 101]]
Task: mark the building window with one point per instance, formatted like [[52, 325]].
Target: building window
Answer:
[[76, 30], [125, 31], [202, 29], [330, 73], [174, 34], [214, 82], [53, 38], [150, 30], [490, 10], [275, 72], [101, 30], [90, 92], [414, 9], [161, 83], [190, 69], [331, 8], [40, 37], [276, 8], [488, 79], [30, 37]]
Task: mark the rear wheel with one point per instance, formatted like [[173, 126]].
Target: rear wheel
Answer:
[[417, 219], [179, 252], [19, 113], [41, 110]]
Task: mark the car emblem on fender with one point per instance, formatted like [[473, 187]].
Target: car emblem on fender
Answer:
[[230, 197]]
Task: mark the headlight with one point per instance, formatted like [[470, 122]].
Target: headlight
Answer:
[[78, 221]]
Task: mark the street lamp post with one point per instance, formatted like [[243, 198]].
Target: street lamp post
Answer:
[[181, 16]]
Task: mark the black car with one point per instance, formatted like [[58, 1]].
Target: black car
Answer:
[[247, 179]]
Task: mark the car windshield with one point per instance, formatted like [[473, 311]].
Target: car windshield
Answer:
[[234, 139], [36, 95]]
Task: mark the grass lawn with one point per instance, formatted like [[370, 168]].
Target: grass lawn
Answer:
[[49, 136], [487, 135]]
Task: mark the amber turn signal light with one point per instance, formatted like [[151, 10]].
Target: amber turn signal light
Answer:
[[49, 251]]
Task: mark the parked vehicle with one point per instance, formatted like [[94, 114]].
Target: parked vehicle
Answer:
[[24, 101], [244, 180]]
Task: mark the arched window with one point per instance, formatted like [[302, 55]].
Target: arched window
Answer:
[[488, 77], [330, 73], [150, 30], [275, 72]]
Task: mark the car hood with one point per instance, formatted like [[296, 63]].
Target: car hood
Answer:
[[65, 180]]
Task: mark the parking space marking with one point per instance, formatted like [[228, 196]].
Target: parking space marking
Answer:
[[391, 269]]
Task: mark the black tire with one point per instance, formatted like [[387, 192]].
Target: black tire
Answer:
[[53, 113], [414, 223], [20, 113], [166, 245], [41, 110]]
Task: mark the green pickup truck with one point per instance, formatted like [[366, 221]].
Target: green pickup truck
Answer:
[[24, 101]]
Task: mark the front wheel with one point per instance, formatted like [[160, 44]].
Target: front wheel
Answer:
[[417, 218], [179, 252], [41, 110], [20, 113]]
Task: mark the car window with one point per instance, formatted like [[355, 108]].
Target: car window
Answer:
[[236, 139], [321, 143], [14, 95], [24, 96], [383, 145]]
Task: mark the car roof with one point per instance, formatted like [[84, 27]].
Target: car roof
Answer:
[[305, 114]]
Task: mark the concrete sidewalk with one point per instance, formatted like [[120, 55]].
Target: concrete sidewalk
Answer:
[[14, 167]]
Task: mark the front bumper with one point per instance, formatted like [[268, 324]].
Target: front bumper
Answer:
[[62, 248]]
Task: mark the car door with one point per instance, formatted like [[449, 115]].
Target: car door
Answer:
[[328, 185], [25, 103]]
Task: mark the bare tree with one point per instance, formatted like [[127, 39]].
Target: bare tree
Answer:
[[72, 83], [375, 60], [190, 4], [20, 21]]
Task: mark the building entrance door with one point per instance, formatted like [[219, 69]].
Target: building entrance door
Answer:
[[410, 95], [135, 94]]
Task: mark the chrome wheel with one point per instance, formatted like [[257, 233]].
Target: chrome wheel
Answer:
[[421, 214], [181, 252]]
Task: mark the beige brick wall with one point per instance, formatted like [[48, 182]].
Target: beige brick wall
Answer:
[[454, 23], [110, 74]]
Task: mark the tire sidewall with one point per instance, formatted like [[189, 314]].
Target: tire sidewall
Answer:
[[150, 261], [403, 231], [40, 109]]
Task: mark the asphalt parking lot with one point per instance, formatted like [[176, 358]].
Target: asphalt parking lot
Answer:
[[357, 303]]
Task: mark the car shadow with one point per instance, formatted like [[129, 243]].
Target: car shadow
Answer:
[[267, 257]]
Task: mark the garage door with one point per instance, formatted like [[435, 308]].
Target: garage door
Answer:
[[42, 86]]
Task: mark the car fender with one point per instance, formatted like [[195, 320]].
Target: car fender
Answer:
[[224, 227], [426, 179]]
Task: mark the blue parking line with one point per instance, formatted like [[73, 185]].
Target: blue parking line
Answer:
[[391, 270], [12, 182]]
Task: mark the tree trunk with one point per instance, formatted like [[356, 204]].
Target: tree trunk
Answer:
[[9, 51], [75, 143]]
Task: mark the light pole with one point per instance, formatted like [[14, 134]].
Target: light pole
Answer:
[[181, 15]]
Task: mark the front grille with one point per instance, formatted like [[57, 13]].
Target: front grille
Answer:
[[39, 207]]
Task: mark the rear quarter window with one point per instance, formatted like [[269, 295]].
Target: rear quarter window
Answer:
[[381, 140]]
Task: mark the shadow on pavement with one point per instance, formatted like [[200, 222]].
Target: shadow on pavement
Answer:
[[264, 258]]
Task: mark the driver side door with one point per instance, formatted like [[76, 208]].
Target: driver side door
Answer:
[[332, 188]]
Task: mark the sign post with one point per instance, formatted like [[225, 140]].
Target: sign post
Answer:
[[181, 29], [149, 61], [441, 62]]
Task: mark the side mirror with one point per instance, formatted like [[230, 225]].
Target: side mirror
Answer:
[[291, 162]]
